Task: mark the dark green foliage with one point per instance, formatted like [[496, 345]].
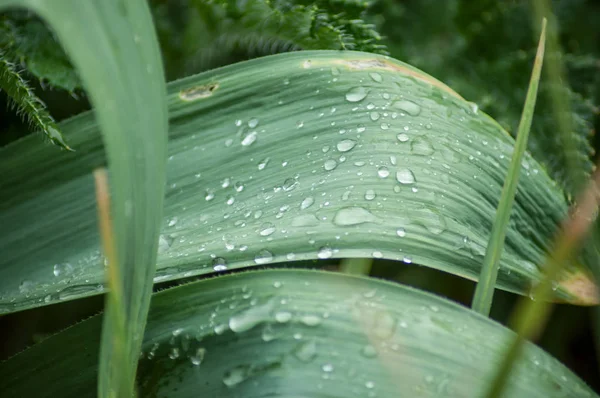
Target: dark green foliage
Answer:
[[485, 50]]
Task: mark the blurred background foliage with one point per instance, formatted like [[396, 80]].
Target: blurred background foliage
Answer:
[[483, 49]]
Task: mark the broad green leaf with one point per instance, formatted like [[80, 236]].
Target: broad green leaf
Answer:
[[296, 156], [297, 333], [113, 46]]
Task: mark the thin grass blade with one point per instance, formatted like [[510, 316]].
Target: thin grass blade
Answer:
[[484, 292]]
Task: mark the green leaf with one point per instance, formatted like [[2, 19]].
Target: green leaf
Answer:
[[27, 103], [113, 46], [297, 333], [302, 155]]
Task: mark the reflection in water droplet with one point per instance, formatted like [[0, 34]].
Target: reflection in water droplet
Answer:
[[356, 94], [306, 352], [325, 252], [407, 106], [345, 145], [353, 216], [405, 176]]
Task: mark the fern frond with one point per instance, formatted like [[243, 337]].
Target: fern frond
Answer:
[[28, 105]]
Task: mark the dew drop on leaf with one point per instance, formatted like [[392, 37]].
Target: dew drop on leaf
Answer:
[[405, 176], [356, 94], [345, 145], [408, 107]]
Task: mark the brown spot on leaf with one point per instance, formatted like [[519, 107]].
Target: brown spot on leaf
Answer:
[[198, 92], [582, 287]]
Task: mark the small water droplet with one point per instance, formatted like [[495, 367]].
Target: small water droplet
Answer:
[[402, 137], [374, 116], [219, 264], [209, 196], [328, 368], [172, 222], [325, 252], [62, 269], [401, 232], [198, 356], [267, 229], [405, 176], [263, 163], [307, 202], [174, 353], [383, 172], [306, 351], [310, 320], [356, 94], [252, 123], [370, 194], [377, 254], [345, 145], [330, 164], [249, 138], [283, 316], [263, 257]]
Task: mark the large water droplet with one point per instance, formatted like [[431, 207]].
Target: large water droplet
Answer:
[[305, 220], [219, 264], [405, 176], [267, 229], [402, 137], [250, 318], [345, 145], [408, 107], [263, 257], [356, 94], [421, 146], [353, 216], [383, 172]]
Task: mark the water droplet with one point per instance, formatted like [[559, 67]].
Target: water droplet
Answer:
[[209, 196], [401, 232], [402, 137], [377, 254], [433, 221], [356, 94], [174, 353], [305, 220], [267, 229], [299, 124], [345, 145], [283, 316], [374, 116], [408, 107], [307, 202], [172, 222], [263, 257], [384, 126], [370, 194], [198, 356], [370, 385], [353, 216], [263, 163], [325, 252], [306, 352], [219, 264], [383, 172], [164, 243], [330, 164], [26, 286], [376, 77], [421, 146], [249, 138], [369, 351], [360, 128], [310, 320], [407, 259], [62, 269], [252, 123], [405, 176], [236, 375], [328, 368], [249, 318]]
